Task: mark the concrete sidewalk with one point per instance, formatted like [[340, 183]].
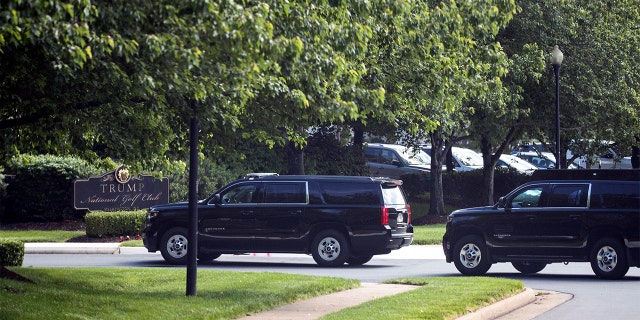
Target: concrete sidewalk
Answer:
[[526, 305]]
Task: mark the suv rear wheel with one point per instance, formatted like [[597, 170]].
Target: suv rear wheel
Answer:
[[473, 258], [608, 259], [330, 248], [174, 244]]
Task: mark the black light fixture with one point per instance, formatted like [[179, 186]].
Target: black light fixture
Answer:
[[556, 61]]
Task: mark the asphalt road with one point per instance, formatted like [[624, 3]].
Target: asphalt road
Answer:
[[592, 298]]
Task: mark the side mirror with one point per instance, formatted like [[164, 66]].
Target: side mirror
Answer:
[[216, 199], [500, 203], [396, 163]]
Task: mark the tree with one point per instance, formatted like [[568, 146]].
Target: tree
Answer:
[[118, 79], [439, 61], [598, 79]]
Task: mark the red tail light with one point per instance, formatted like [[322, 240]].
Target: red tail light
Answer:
[[408, 214], [384, 215]]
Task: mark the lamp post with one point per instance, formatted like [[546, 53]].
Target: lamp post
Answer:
[[556, 61]]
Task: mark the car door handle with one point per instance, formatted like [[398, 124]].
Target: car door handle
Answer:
[[246, 212], [295, 211]]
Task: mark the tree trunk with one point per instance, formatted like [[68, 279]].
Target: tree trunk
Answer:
[[358, 135], [295, 159], [488, 170], [635, 155], [436, 204]]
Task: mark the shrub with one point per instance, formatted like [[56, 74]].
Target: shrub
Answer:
[[463, 189], [11, 253], [99, 224], [42, 187]]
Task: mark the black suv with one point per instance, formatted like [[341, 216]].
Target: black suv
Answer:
[[541, 222], [336, 219]]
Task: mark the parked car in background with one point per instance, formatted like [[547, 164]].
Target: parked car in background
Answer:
[[394, 161], [511, 162], [463, 159], [336, 219], [551, 221], [542, 160]]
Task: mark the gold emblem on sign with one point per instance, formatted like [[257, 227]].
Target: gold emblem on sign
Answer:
[[122, 174]]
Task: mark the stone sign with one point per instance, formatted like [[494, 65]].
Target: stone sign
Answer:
[[118, 191]]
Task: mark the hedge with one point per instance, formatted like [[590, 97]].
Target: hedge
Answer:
[[120, 223], [11, 253]]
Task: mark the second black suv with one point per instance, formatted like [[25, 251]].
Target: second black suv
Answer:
[[336, 219], [541, 222]]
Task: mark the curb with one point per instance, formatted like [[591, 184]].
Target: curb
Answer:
[[502, 307]]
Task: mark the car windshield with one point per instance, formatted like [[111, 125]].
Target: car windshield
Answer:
[[417, 157], [467, 157]]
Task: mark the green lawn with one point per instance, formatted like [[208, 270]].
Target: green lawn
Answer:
[[428, 234], [39, 235], [149, 293], [437, 298]]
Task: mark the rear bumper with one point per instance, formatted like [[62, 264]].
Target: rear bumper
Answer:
[[400, 240]]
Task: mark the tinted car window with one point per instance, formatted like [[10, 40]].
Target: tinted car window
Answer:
[[615, 196], [527, 198], [569, 195], [349, 193], [243, 193], [371, 154], [388, 156], [285, 192]]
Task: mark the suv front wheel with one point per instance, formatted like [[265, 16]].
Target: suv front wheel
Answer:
[[330, 248], [608, 259], [174, 245], [472, 256]]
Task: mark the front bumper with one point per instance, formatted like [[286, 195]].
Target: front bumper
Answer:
[[446, 247]]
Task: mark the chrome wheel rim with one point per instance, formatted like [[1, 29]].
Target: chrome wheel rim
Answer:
[[470, 255], [177, 246], [607, 259], [329, 249]]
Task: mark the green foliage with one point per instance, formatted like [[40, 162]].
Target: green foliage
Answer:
[[325, 154], [127, 223], [461, 188], [211, 177], [42, 189], [414, 187], [598, 77], [11, 252]]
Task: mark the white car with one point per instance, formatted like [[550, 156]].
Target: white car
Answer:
[[540, 160], [512, 162], [463, 159]]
